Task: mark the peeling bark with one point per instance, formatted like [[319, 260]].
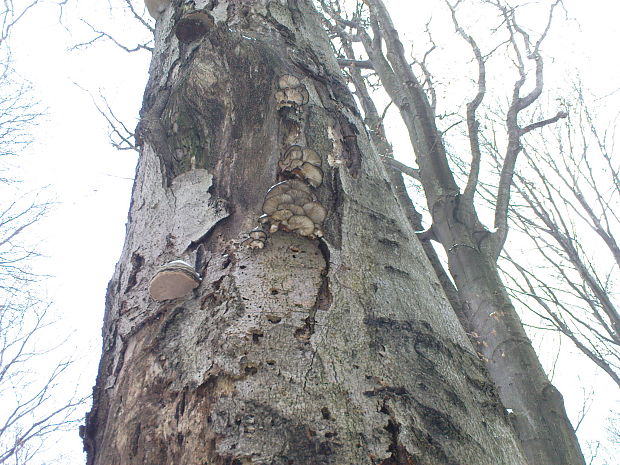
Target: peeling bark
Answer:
[[336, 350]]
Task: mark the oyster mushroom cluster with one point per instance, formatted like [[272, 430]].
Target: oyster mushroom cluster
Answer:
[[256, 238], [291, 93], [173, 280], [303, 163], [291, 206]]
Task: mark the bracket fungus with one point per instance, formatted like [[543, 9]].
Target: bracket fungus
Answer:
[[173, 280], [156, 7], [291, 206], [304, 163], [291, 93], [193, 26]]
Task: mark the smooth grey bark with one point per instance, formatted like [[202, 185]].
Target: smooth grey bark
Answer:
[[374, 122], [338, 350]]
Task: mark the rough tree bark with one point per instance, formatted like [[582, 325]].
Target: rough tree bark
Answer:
[[334, 350]]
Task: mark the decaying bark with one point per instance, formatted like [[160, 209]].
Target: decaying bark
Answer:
[[340, 349]]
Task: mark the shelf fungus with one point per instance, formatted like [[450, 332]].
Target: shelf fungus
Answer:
[[256, 238], [290, 206], [304, 163], [291, 93], [156, 7], [193, 26], [173, 280]]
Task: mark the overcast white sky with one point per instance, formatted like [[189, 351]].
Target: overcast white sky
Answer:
[[91, 181]]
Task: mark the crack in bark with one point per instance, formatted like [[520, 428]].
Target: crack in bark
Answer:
[[323, 298], [399, 454], [352, 151], [137, 261]]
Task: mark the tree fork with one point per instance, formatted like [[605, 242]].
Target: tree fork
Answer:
[[338, 349]]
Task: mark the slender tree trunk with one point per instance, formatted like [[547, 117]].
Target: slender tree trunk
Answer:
[[334, 350]]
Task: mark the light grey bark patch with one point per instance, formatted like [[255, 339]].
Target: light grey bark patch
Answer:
[[187, 216], [186, 213], [194, 216]]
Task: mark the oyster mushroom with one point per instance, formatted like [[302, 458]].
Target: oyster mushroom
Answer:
[[292, 92], [271, 203], [298, 185], [299, 197], [288, 80], [310, 156], [315, 211], [258, 234], [256, 238], [295, 156], [304, 163], [282, 214], [312, 174], [302, 225], [278, 189], [291, 206], [292, 158], [294, 209], [173, 280]]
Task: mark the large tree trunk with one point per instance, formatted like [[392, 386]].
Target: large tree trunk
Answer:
[[333, 350]]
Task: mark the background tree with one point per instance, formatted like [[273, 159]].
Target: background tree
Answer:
[[472, 249], [331, 342]]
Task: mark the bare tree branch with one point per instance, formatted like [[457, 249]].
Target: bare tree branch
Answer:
[[120, 136], [540, 124], [411, 172], [104, 35], [363, 64], [473, 125], [517, 104]]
